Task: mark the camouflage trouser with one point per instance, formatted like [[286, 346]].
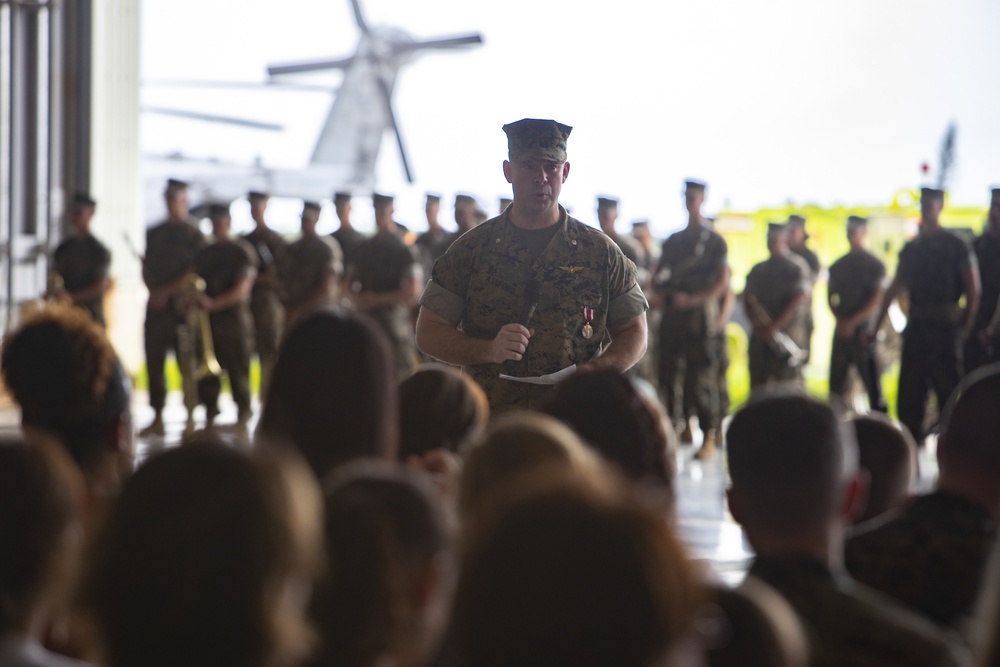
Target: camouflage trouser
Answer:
[[854, 351], [647, 368], [231, 340], [160, 336], [268, 322], [931, 360], [768, 366], [689, 369]]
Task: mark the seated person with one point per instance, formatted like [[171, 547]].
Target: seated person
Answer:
[[333, 393], [387, 590], [795, 488], [206, 560], [574, 573], [72, 390], [40, 493], [931, 555], [888, 452], [439, 408]]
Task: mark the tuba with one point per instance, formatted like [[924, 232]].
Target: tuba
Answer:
[[196, 362], [780, 342]]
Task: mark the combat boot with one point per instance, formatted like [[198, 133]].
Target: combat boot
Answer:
[[684, 431], [707, 450]]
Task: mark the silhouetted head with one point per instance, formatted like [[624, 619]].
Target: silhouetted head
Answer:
[[206, 560], [790, 461], [573, 573], [40, 496], [440, 407], [889, 454], [387, 586], [608, 411], [968, 447], [333, 394]]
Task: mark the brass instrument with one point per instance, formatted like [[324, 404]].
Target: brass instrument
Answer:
[[780, 342], [196, 323]]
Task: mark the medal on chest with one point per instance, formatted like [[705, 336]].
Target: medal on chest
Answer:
[[588, 315]]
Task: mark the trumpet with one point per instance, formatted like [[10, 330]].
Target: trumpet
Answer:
[[780, 342], [195, 367]]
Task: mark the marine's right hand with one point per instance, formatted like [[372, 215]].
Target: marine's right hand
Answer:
[[510, 343]]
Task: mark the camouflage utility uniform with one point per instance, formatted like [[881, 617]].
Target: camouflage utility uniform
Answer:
[[479, 283], [931, 268], [383, 265], [848, 624], [81, 262], [265, 307], [812, 261], [854, 279], [691, 343], [932, 556], [223, 265], [349, 240], [774, 283], [170, 251]]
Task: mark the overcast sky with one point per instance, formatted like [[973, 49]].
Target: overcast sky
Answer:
[[814, 101]]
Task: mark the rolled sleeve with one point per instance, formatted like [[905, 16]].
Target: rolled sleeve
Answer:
[[442, 302], [626, 306]]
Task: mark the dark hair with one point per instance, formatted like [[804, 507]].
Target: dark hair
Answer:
[[191, 565], [65, 375], [787, 459], [332, 394], [38, 503], [382, 526], [970, 424], [439, 408], [887, 451], [609, 412], [573, 574]]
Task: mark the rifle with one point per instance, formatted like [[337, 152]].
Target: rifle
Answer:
[[780, 342]]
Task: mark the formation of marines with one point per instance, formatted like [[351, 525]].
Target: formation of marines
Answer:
[[253, 285]]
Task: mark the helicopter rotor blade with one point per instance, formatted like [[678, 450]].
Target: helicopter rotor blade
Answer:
[[443, 43], [309, 66], [387, 98], [359, 17], [215, 118], [236, 85]]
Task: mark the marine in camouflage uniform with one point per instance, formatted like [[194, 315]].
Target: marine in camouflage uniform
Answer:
[[936, 269], [779, 286], [607, 215], [265, 306], [797, 244], [465, 219], [170, 250], [346, 236], [981, 346], [387, 278], [228, 267], [931, 556], [83, 262], [849, 624], [436, 239], [589, 306], [854, 294], [310, 269], [691, 276], [648, 367]]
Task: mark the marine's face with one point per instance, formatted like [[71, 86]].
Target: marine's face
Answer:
[[432, 209], [257, 209], [383, 219], [177, 204], [81, 217], [930, 209], [220, 226], [344, 211], [309, 220], [693, 199], [777, 244], [536, 183], [607, 218]]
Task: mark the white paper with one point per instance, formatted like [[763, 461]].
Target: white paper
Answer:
[[551, 378]]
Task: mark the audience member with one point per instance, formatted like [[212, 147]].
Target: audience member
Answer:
[[887, 451], [333, 392], [206, 559], [577, 574], [387, 591], [440, 408], [516, 444], [932, 554], [795, 488], [71, 388], [609, 412], [40, 493]]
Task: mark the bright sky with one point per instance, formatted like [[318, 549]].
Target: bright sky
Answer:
[[813, 101]]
